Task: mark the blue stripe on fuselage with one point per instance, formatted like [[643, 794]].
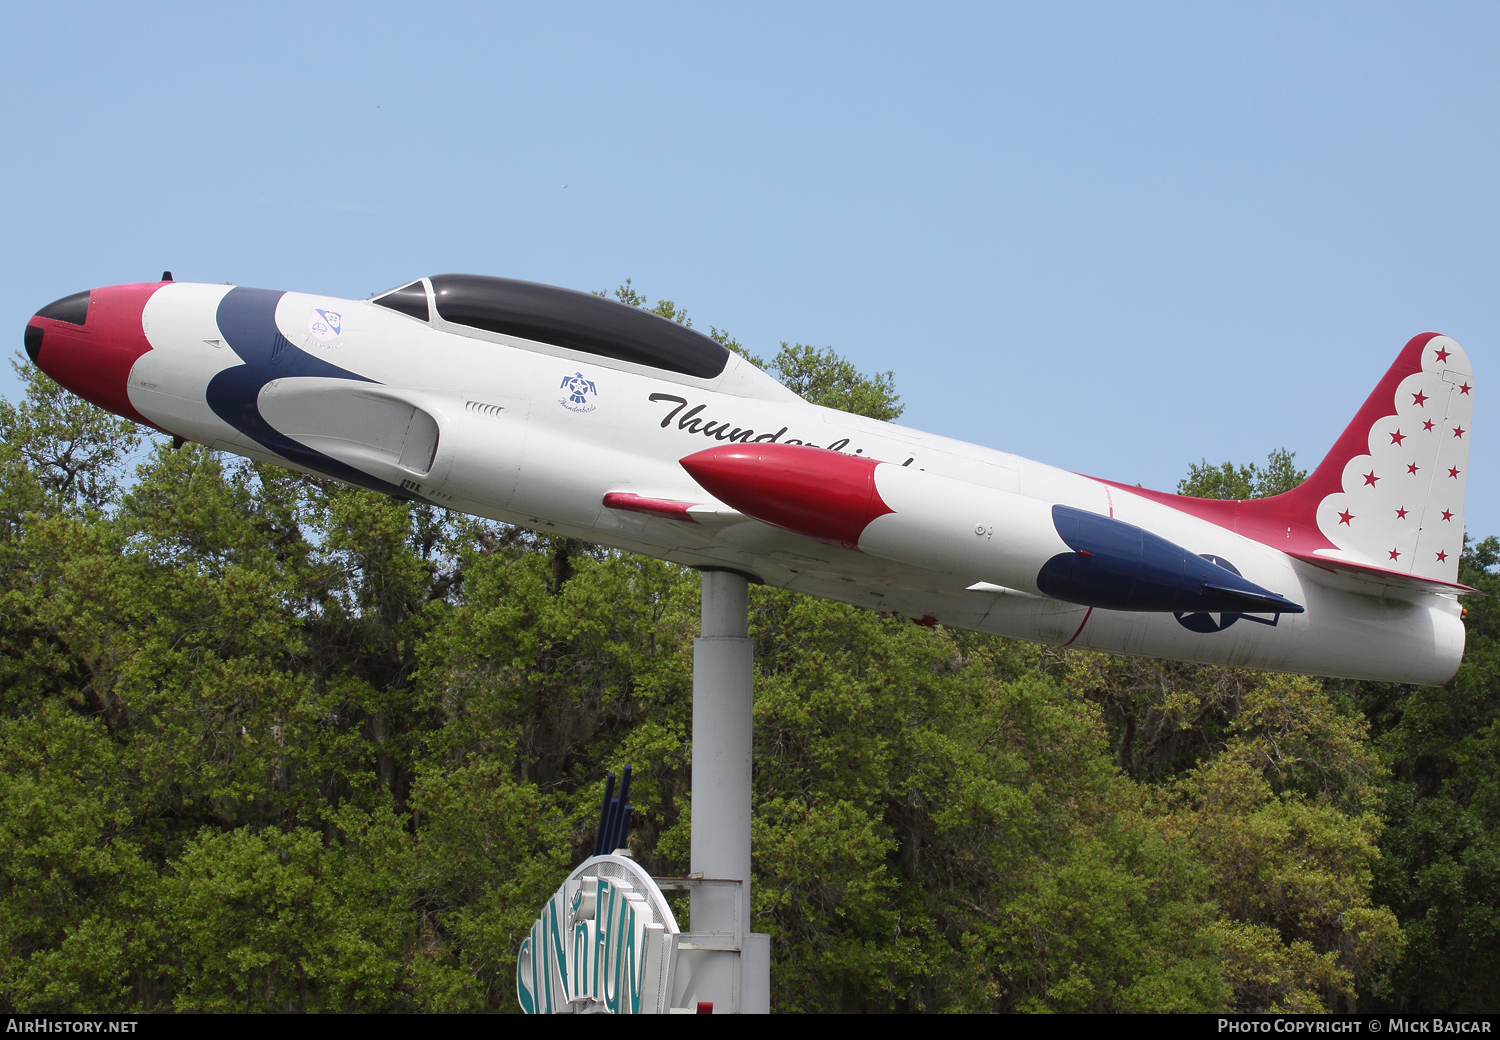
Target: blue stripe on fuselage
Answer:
[[247, 318]]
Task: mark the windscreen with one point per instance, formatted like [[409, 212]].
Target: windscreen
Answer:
[[576, 320], [409, 299]]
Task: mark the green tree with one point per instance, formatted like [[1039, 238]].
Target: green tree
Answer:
[[823, 376], [1230, 481], [71, 453], [1440, 868]]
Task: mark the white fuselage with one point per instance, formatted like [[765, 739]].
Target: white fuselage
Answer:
[[515, 441]]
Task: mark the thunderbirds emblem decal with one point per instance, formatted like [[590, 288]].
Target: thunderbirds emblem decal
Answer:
[[578, 391]]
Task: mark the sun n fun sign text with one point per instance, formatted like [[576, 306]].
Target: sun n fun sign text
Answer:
[[605, 942]]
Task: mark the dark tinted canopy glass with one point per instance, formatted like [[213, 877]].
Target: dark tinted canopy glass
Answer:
[[71, 309], [578, 321], [409, 299]]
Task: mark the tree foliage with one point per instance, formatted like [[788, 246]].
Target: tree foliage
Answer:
[[1227, 480], [1440, 869], [271, 743]]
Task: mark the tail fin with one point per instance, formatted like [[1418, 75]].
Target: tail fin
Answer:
[[1391, 492], [1389, 497]]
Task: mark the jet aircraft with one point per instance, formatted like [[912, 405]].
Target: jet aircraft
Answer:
[[572, 414]]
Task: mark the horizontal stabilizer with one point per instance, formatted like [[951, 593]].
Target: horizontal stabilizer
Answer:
[[1381, 576]]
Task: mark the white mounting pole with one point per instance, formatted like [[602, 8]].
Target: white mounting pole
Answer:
[[722, 705]]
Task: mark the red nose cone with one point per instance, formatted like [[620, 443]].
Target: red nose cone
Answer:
[[816, 493], [90, 347]]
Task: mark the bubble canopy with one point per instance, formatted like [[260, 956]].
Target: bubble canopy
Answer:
[[576, 320]]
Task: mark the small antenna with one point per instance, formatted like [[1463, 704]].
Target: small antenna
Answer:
[[166, 276]]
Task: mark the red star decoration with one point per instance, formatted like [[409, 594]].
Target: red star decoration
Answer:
[[1412, 467], [1419, 399], [1453, 472], [1458, 431], [1441, 556], [1397, 437], [1345, 517], [1442, 353], [1370, 479], [1395, 555], [1427, 424], [1465, 388], [1448, 515], [1401, 513]]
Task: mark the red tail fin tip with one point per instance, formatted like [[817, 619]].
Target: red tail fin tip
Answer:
[[1389, 495]]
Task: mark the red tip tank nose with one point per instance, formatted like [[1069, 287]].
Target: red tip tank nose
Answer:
[[89, 341], [819, 494]]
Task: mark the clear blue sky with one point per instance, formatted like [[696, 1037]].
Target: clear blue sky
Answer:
[[1112, 237]]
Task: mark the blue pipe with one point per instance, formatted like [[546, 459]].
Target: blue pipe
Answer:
[[600, 834], [621, 829]]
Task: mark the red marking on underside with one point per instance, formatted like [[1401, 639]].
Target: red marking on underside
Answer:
[[1290, 521], [819, 494], [94, 360], [1085, 621], [665, 508]]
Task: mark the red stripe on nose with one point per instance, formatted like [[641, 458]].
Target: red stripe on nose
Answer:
[[94, 359], [813, 492]]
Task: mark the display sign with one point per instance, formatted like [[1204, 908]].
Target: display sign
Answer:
[[606, 942]]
